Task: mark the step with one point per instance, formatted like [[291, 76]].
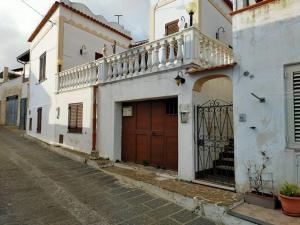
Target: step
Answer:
[[226, 154], [224, 162], [223, 167], [228, 148]]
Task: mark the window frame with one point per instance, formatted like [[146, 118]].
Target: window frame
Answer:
[[77, 129], [42, 69]]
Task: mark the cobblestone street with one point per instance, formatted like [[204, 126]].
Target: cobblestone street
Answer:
[[39, 187]]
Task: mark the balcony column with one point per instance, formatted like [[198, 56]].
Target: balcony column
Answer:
[[131, 62], [179, 52], [149, 59], [163, 60], [136, 63], [115, 69], [143, 60], [156, 57], [172, 53], [109, 69], [119, 67], [125, 66]]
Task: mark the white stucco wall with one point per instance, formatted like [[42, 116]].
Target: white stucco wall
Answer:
[[80, 142], [265, 40], [212, 18], [158, 85], [42, 93]]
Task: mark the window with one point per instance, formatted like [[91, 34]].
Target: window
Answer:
[[75, 118], [39, 120], [30, 124], [172, 107], [42, 75], [292, 75], [98, 55], [171, 28]]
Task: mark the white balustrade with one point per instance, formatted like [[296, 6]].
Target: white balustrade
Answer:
[[180, 49]]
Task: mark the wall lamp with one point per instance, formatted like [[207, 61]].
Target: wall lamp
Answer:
[[190, 7], [83, 50], [179, 79], [261, 99]]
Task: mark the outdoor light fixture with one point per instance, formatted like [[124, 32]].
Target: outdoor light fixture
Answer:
[[190, 7], [184, 117], [83, 50], [59, 65], [261, 99], [179, 79]]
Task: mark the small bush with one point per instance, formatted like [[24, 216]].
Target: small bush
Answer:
[[290, 190]]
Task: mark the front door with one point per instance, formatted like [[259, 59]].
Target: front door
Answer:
[[23, 113], [11, 110], [150, 133]]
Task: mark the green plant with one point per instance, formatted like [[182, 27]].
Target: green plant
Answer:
[[290, 190]]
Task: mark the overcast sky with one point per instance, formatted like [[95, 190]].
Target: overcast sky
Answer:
[[17, 22]]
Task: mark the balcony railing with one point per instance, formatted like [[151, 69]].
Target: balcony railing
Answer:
[[188, 47]]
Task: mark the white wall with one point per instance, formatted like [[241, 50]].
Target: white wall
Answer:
[[212, 19], [265, 40], [80, 142], [42, 93]]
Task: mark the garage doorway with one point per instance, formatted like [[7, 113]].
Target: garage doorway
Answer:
[[150, 133], [11, 110]]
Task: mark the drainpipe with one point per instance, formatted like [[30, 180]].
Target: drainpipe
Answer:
[[94, 153]]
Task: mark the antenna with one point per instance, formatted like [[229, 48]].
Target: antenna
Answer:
[[118, 16]]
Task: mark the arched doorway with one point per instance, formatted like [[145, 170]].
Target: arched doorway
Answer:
[[213, 111]]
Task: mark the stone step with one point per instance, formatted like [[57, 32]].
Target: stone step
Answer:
[[226, 154], [224, 162]]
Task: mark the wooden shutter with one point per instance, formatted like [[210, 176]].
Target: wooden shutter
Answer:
[[39, 120], [75, 117], [172, 27], [292, 75], [42, 74], [30, 124]]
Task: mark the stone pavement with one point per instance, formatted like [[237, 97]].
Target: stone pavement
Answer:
[[39, 187]]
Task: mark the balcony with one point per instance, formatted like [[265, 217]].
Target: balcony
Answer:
[[186, 48]]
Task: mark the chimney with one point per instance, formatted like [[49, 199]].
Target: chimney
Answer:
[[5, 74]]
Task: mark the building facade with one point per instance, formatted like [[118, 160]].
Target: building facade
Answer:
[[69, 35]]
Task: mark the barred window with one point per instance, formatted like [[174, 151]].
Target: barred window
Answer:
[[75, 117]]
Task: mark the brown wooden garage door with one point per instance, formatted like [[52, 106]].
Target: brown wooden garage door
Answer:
[[150, 133]]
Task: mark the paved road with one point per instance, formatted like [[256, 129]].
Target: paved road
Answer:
[[39, 187]]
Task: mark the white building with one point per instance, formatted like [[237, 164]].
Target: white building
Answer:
[[69, 35], [267, 52], [180, 101]]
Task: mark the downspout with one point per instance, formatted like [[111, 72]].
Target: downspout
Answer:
[[94, 153]]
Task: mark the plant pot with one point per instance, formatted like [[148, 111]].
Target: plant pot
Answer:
[[290, 205], [263, 200]]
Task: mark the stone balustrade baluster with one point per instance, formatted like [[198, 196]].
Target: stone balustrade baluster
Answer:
[[109, 70], [136, 62], [163, 48], [172, 52], [125, 66], [119, 67], [156, 57], [179, 51], [115, 68], [143, 60], [131, 64], [149, 59]]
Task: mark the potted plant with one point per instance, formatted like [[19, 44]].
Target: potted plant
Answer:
[[258, 194], [290, 199]]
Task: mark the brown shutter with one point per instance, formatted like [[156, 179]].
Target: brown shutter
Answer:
[[171, 28], [42, 74], [75, 117], [39, 120]]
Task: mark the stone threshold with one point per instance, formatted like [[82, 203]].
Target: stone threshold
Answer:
[[211, 203]]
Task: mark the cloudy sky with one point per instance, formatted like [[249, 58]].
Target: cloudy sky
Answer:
[[17, 21]]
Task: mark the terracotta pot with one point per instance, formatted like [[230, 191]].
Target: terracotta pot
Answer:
[[290, 205]]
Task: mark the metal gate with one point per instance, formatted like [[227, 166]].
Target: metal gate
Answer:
[[23, 113], [214, 155], [11, 110]]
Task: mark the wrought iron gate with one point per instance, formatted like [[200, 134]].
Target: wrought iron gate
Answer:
[[214, 155]]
